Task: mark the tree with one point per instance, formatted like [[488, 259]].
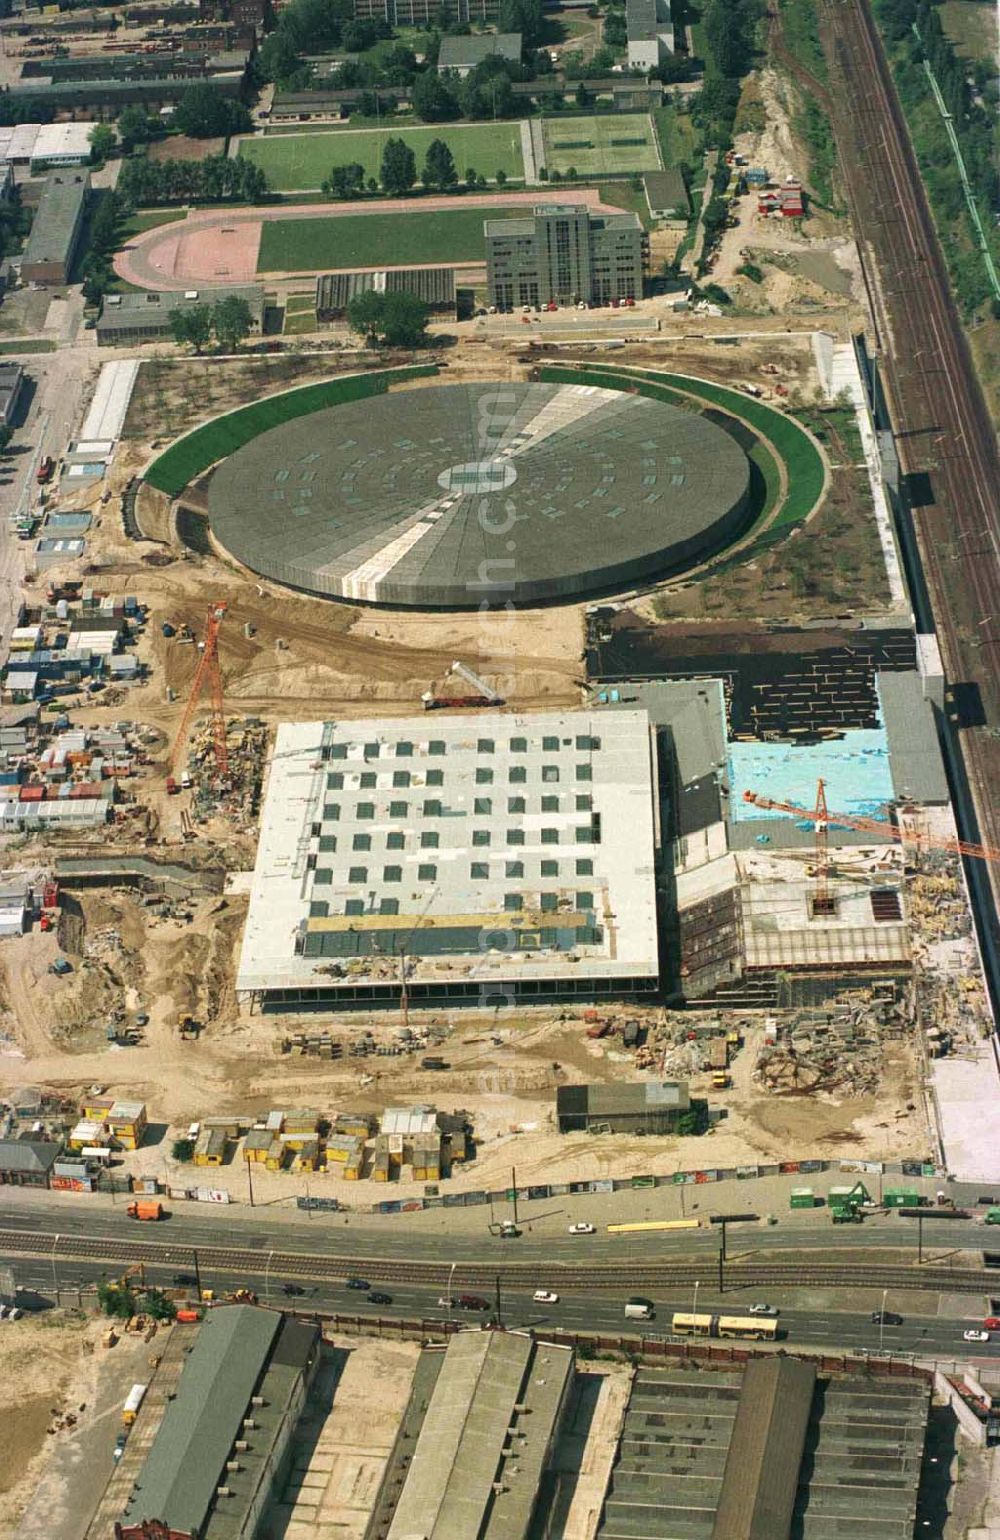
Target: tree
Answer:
[[584, 96], [524, 16], [501, 178], [182, 1149], [471, 177], [439, 166], [156, 1304], [202, 113], [433, 100], [116, 1300], [191, 324], [364, 314], [345, 181], [395, 320], [135, 126], [103, 140], [399, 167], [232, 321]]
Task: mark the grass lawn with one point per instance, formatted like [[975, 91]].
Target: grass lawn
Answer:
[[677, 135], [136, 224], [365, 240], [599, 146], [622, 195], [972, 26], [300, 162]]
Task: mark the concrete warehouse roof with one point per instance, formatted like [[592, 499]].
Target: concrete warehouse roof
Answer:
[[56, 218], [487, 847], [461, 1482], [152, 307], [178, 1480], [762, 1467], [28, 1155], [464, 53], [442, 496]]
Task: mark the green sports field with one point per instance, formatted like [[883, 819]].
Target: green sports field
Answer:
[[300, 162], [601, 146], [372, 240]]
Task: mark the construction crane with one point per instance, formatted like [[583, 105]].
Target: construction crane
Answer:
[[821, 816], [485, 693], [404, 991], [208, 669]]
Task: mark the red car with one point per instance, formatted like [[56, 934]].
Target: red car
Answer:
[[45, 470], [992, 1323]]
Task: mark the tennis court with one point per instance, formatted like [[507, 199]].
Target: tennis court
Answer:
[[611, 145]]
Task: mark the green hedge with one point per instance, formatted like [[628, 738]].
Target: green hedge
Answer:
[[803, 461], [196, 451]]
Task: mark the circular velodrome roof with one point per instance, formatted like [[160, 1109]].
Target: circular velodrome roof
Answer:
[[459, 495]]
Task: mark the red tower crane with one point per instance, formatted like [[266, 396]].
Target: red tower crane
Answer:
[[881, 828], [208, 669]]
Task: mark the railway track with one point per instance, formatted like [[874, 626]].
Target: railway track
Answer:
[[943, 428], [251, 1261]]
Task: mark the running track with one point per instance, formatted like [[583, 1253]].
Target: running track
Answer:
[[219, 246]]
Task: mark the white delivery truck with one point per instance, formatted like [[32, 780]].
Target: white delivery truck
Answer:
[[639, 1309]]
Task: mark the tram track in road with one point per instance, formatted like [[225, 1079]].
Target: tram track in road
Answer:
[[460, 1273]]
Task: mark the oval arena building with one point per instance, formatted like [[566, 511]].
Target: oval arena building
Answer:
[[458, 495]]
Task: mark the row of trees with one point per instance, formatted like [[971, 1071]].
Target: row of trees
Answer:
[[398, 173], [729, 29], [105, 234], [228, 320], [216, 179]]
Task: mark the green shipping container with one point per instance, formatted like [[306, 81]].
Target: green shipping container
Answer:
[[894, 1197], [802, 1197], [993, 1216]]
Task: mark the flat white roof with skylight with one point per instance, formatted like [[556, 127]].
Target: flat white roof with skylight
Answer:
[[458, 857]]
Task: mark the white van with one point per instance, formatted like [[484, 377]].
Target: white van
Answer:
[[640, 1310]]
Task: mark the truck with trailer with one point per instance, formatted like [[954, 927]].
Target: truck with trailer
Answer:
[[133, 1401]]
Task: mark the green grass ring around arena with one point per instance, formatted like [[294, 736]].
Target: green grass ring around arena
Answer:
[[805, 466], [192, 454]]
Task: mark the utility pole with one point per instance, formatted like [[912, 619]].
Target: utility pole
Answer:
[[197, 1272], [250, 1179], [499, 1312], [920, 1239], [722, 1260], [513, 1189]]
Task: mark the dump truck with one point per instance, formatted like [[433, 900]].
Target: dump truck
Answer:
[[241, 1297], [718, 1054], [146, 1208]]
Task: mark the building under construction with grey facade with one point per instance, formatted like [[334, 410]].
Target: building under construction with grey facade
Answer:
[[565, 254]]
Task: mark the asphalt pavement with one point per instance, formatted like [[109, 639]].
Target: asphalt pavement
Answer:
[[545, 1236]]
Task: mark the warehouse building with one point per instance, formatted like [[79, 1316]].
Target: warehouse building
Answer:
[[435, 286], [427, 13], [220, 1454], [463, 54], [667, 197], [626, 1107], [27, 1162], [12, 379], [55, 233], [767, 1453], [486, 1439], [508, 856], [565, 254], [650, 33], [129, 319]]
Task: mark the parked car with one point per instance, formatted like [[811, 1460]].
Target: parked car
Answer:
[[763, 1310], [886, 1318], [582, 1228], [545, 1297], [292, 1288], [975, 1336], [376, 1297], [185, 1281], [992, 1323], [358, 1283]]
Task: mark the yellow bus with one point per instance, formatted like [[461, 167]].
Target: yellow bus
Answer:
[[654, 1224], [763, 1328]]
